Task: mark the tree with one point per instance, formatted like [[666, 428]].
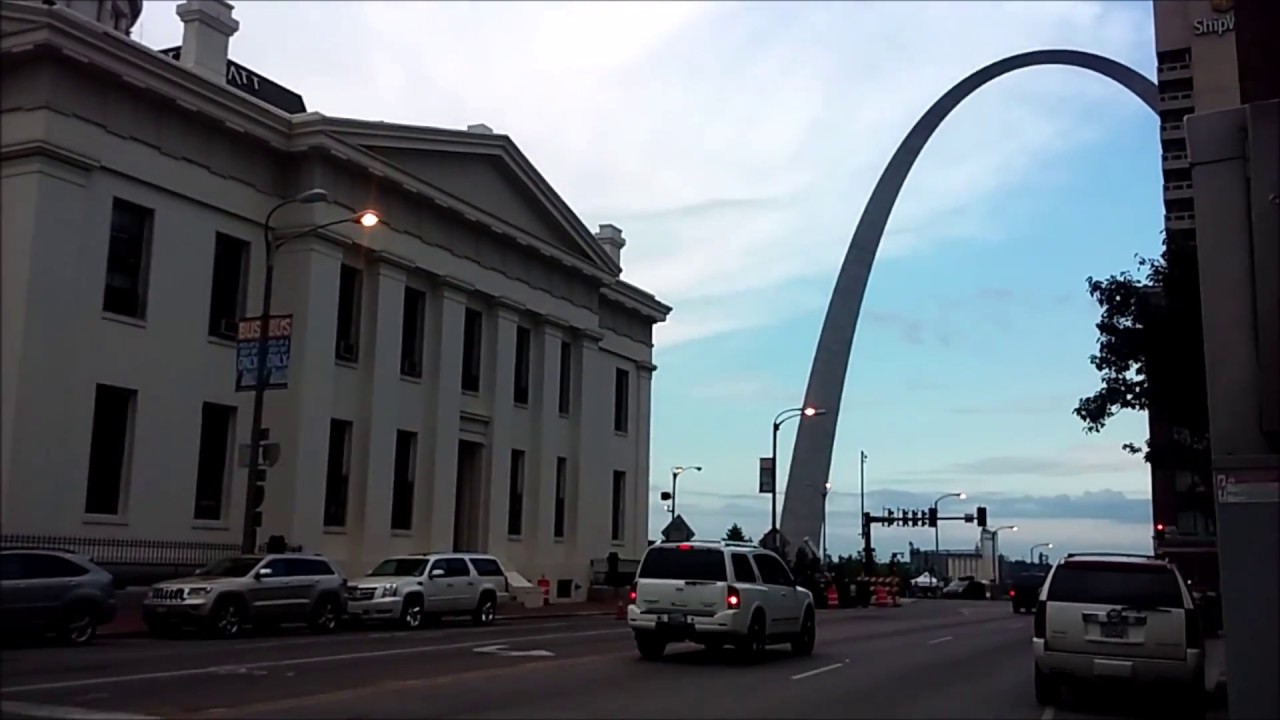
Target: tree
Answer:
[[1151, 357], [735, 533]]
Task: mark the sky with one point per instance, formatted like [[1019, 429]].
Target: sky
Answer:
[[735, 144]]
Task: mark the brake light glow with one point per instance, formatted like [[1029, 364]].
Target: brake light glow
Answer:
[[684, 546], [1012, 593], [632, 595], [733, 598]]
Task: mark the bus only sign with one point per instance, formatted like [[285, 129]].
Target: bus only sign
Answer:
[[279, 345]]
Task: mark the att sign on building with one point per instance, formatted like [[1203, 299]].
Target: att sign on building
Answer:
[[470, 374]]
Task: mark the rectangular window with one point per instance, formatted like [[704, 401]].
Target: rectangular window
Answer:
[[217, 433], [113, 418], [617, 525], [566, 376], [524, 349], [411, 332], [621, 400], [347, 347], [227, 292], [562, 493], [472, 345], [515, 495], [402, 481], [337, 474], [128, 260]]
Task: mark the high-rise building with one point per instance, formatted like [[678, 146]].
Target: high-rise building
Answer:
[[1197, 71]]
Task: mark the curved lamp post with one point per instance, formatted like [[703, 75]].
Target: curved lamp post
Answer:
[[778, 420], [936, 547], [271, 243], [995, 551], [1031, 554], [676, 472]]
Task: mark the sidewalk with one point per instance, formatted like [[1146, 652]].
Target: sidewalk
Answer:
[[128, 620]]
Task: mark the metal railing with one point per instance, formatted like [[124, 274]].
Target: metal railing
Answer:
[[131, 551]]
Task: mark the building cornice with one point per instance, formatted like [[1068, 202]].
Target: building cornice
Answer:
[[633, 298]]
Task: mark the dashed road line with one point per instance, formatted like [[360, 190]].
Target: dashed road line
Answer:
[[811, 673], [935, 641], [36, 710]]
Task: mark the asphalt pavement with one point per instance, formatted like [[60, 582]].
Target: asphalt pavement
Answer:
[[930, 659]]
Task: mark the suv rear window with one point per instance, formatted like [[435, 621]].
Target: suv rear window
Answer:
[[486, 567], [1108, 583], [668, 563]]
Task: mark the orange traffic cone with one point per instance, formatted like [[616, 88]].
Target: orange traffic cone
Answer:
[[833, 598]]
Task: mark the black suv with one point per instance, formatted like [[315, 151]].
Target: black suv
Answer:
[[1024, 591]]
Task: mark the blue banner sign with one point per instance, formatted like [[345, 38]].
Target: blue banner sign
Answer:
[[279, 344]]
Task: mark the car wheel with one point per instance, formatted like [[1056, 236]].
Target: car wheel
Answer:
[[226, 619], [325, 616], [650, 646], [808, 635], [486, 611], [412, 613], [79, 627], [757, 639], [1048, 690]]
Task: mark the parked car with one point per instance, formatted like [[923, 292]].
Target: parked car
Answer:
[[262, 591], [718, 593], [410, 589], [1024, 591], [1119, 618], [54, 592], [965, 589]]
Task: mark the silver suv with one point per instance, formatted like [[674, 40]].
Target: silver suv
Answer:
[[54, 591], [264, 591], [409, 589]]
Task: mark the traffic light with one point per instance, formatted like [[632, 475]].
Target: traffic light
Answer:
[[933, 517], [982, 516], [664, 496], [1159, 531], [258, 495]]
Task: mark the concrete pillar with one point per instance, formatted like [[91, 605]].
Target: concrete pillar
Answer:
[[380, 366], [444, 332], [540, 482], [638, 510], [593, 473], [505, 319], [306, 285]]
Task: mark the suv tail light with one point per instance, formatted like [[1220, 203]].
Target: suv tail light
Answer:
[[631, 596], [1194, 631], [1038, 631], [733, 598], [1012, 593]]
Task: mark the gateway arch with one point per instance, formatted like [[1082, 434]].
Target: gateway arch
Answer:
[[802, 515]]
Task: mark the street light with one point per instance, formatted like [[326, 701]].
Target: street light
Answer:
[[995, 550], [936, 548], [676, 472], [1031, 554], [826, 490], [271, 243], [778, 420]]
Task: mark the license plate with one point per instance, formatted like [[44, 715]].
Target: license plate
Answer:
[[161, 610], [675, 618], [1115, 631]]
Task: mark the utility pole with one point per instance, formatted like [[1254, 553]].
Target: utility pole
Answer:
[[862, 489]]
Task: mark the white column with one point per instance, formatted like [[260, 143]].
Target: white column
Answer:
[[540, 483], [506, 319], [306, 285], [445, 332], [591, 467], [638, 505], [381, 408]]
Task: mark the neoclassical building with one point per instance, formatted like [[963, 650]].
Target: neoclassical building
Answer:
[[470, 374]]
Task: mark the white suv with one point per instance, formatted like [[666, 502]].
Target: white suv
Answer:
[[1109, 616], [718, 593], [409, 589]]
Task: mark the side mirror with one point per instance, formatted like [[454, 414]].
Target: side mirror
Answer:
[[436, 573], [264, 573]]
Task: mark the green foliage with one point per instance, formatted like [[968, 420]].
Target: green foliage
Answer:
[[1150, 356], [735, 533]]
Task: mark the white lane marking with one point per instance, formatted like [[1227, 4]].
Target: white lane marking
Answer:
[[56, 711], [300, 661], [935, 641], [505, 651], [811, 673], [1048, 713]]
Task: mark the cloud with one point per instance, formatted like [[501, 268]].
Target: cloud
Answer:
[[734, 142], [1040, 465]]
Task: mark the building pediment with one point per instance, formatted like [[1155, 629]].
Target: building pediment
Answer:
[[484, 172]]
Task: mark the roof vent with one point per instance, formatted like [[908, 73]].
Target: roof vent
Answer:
[[480, 129]]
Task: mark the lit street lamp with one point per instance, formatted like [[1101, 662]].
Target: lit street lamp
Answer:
[[676, 472], [936, 549], [778, 420], [271, 243], [995, 550], [1031, 554]]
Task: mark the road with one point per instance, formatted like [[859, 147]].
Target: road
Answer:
[[930, 659]]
